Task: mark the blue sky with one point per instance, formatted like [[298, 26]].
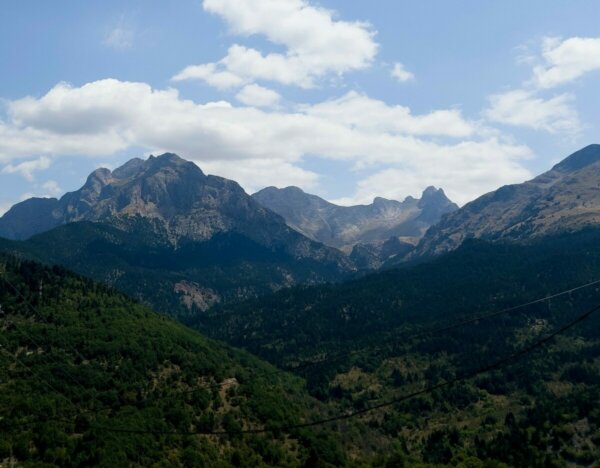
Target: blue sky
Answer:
[[347, 99]]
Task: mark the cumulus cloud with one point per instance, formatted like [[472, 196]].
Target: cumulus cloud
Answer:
[[531, 106], [523, 108], [355, 110], [464, 170], [27, 168], [101, 117], [401, 73], [258, 96], [315, 42], [220, 79], [566, 60], [256, 174]]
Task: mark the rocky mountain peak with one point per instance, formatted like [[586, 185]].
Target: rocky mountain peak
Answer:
[[98, 179], [435, 196], [170, 200], [580, 159], [130, 169], [380, 201], [346, 226]]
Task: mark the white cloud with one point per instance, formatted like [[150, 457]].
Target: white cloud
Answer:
[[27, 168], [256, 174], [208, 72], [358, 111], [316, 44], [401, 73], [119, 38], [255, 95], [264, 147], [523, 108], [464, 171], [52, 188], [566, 60]]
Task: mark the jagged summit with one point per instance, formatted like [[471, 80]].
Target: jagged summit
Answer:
[[179, 200], [345, 226]]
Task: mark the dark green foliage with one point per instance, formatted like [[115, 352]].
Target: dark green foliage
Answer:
[[143, 264], [134, 368], [367, 341], [77, 357]]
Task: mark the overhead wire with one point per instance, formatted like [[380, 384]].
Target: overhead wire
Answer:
[[435, 330], [373, 408], [498, 364]]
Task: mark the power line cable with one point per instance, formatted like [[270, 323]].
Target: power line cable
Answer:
[[499, 364], [313, 363], [436, 330]]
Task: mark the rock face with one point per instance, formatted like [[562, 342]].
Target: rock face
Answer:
[[166, 192], [345, 226], [154, 227], [566, 198]]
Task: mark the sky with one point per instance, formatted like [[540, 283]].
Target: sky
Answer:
[[346, 99]]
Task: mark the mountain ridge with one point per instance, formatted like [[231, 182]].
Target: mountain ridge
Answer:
[[131, 226], [567, 197], [364, 226]]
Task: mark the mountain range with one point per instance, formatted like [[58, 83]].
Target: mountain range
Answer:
[[164, 232], [371, 234], [345, 226]]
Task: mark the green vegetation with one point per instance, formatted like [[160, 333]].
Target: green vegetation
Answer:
[[544, 411], [84, 358], [143, 264], [77, 357]]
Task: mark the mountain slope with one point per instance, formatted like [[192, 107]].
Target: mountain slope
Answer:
[[397, 332], [565, 198], [477, 277], [182, 280], [83, 359], [78, 358], [180, 200], [166, 233], [345, 226]]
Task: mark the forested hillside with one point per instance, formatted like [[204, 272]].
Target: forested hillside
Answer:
[[91, 378], [79, 361], [405, 330]]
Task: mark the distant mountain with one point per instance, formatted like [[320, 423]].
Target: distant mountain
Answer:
[[162, 227], [364, 228], [566, 198]]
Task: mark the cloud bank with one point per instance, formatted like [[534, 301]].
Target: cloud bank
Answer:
[[262, 147]]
